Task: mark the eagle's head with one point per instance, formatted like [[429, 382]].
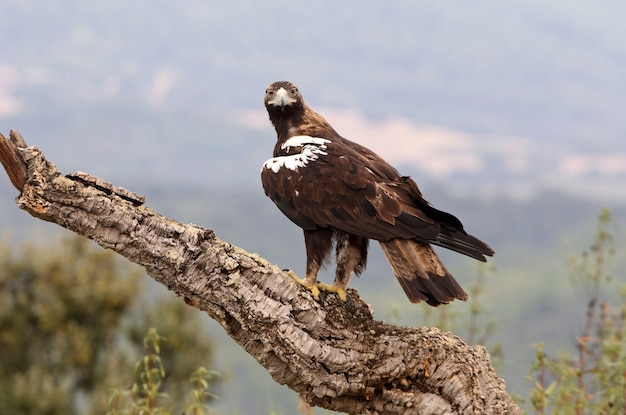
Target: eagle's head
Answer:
[[291, 116], [283, 95]]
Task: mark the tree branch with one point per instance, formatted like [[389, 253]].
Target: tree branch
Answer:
[[334, 354]]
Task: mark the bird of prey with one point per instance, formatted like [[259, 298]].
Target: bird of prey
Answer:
[[343, 194]]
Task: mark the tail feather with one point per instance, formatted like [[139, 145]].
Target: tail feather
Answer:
[[463, 243], [421, 273]]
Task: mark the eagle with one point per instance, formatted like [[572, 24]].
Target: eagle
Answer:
[[342, 194]]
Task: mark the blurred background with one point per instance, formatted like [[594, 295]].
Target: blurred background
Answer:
[[509, 115]]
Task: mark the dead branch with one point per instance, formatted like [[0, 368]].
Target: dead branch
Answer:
[[335, 355]]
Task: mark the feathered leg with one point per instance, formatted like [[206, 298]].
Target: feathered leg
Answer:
[[351, 257], [318, 243]]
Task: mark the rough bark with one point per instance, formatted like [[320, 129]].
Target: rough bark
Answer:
[[334, 354]]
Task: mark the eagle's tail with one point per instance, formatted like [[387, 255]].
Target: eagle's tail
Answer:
[[421, 273]]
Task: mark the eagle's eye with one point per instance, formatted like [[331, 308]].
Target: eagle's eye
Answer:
[[269, 92], [293, 90]]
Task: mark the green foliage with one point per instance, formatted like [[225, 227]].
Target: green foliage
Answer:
[[70, 314], [201, 380], [146, 394], [187, 344], [591, 380]]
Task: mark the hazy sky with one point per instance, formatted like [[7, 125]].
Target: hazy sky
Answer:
[[518, 95]]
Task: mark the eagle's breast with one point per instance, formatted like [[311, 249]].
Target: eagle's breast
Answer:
[[296, 152]]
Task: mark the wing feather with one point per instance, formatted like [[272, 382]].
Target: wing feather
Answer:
[[353, 190]]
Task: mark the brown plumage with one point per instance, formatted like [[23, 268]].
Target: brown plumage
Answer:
[[342, 193]]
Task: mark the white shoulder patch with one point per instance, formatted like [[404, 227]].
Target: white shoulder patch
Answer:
[[312, 149], [302, 140]]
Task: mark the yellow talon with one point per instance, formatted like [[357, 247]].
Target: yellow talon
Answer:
[[341, 293], [315, 291]]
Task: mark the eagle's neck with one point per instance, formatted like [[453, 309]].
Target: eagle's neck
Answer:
[[298, 121]]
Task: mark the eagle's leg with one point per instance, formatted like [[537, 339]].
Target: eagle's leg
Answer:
[[318, 243], [351, 257]]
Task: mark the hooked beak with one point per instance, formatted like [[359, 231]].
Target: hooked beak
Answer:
[[282, 98]]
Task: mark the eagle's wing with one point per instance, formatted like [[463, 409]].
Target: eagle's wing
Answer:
[[353, 190]]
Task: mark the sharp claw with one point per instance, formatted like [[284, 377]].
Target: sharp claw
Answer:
[[315, 291], [341, 293], [315, 288]]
